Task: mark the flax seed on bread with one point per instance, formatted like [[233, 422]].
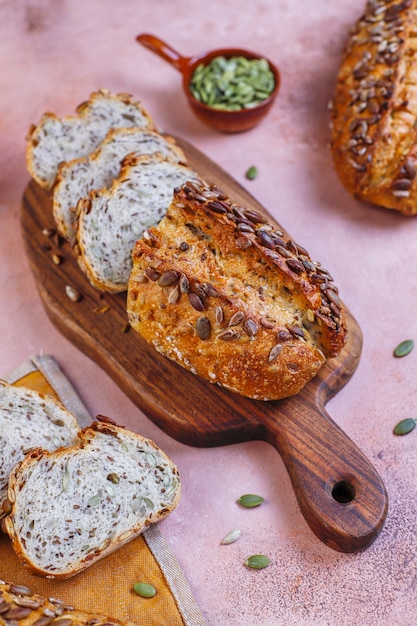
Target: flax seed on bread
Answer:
[[374, 107], [72, 507], [231, 298], [59, 139], [76, 178]]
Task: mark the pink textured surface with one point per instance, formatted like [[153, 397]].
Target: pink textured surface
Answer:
[[53, 54]]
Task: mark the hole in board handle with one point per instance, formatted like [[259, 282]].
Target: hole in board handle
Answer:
[[343, 491]]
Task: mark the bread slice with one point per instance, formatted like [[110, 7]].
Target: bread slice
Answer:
[[72, 507], [55, 140], [110, 221], [29, 419], [78, 177], [231, 298], [18, 604]]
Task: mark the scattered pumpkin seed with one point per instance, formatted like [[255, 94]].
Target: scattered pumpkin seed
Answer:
[[250, 500], [144, 590], [234, 83], [252, 173], [101, 309], [405, 426], [231, 537], [257, 561], [404, 348]]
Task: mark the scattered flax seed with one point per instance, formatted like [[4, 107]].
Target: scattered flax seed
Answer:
[[101, 309], [72, 293]]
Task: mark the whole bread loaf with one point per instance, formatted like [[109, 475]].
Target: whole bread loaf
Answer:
[[374, 108], [111, 220], [55, 140], [231, 298], [74, 506], [76, 178], [29, 419], [19, 605]]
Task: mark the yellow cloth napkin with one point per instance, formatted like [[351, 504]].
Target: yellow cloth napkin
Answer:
[[107, 586]]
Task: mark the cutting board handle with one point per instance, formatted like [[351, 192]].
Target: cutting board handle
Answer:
[[340, 493]]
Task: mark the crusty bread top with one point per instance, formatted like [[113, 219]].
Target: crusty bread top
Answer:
[[27, 420], [231, 298], [72, 507], [110, 221], [19, 605], [55, 140], [374, 108], [76, 178]]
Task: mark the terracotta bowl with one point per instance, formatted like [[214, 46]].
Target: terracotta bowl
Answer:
[[223, 121]]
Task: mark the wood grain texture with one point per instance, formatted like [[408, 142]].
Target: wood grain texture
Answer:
[[339, 492]]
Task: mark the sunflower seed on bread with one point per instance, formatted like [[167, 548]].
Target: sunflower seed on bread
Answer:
[[29, 419], [231, 298], [19, 605], [72, 507], [110, 221], [78, 177], [58, 139], [374, 107]]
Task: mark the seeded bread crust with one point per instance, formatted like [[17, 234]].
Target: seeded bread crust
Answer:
[[229, 297], [55, 140], [29, 419], [74, 506], [78, 177], [374, 109], [110, 221], [19, 605]]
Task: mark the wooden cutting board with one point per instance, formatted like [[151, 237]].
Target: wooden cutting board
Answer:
[[339, 492]]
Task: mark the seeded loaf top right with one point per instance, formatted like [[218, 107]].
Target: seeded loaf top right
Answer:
[[374, 108], [231, 298]]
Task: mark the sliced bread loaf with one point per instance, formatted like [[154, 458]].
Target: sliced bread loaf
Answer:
[[27, 420], [74, 506], [110, 221], [232, 298], [55, 140], [78, 177]]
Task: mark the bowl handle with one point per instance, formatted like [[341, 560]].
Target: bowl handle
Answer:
[[164, 50]]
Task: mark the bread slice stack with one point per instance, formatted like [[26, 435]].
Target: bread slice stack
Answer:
[[76, 178], [102, 192]]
